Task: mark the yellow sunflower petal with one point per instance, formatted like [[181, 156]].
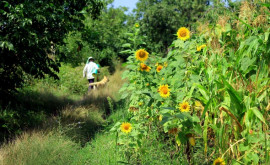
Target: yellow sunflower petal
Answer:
[[199, 48], [160, 117], [191, 141], [144, 67]]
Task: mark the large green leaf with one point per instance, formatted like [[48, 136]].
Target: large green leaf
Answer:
[[258, 114], [236, 99], [246, 62]]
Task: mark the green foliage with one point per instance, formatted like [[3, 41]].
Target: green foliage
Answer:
[[222, 73], [41, 149], [74, 50], [29, 34], [101, 150], [101, 38], [161, 19]]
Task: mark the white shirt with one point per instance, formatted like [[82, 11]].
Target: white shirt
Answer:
[[89, 69]]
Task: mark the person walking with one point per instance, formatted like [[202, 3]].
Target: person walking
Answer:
[[90, 68]]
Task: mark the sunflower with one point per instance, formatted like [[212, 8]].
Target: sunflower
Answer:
[[219, 161], [183, 33], [164, 91], [199, 48], [184, 107], [159, 67], [141, 55], [162, 78], [126, 127], [144, 67]]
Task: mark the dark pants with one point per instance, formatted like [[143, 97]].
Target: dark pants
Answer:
[[90, 87]]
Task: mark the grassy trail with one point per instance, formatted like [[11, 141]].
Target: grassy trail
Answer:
[[76, 134]]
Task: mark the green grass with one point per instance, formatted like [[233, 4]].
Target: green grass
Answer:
[[39, 148], [101, 150]]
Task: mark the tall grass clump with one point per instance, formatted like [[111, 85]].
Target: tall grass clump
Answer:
[[39, 148], [101, 150]]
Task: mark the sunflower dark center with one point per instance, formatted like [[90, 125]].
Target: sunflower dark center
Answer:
[[126, 127], [142, 54], [165, 91], [183, 33], [144, 66]]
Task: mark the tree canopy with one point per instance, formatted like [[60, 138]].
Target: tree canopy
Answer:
[[29, 31], [160, 19], [101, 38]]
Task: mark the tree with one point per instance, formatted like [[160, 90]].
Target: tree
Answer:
[[160, 19], [109, 33], [102, 38], [29, 32]]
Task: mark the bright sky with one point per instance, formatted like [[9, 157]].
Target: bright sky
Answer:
[[131, 4]]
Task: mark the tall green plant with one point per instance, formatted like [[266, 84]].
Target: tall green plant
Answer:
[[211, 89]]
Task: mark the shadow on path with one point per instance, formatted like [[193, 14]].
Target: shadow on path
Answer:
[[44, 111]]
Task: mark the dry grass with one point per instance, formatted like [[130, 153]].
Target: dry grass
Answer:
[[100, 96], [247, 11], [112, 87]]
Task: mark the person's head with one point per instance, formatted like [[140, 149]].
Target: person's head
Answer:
[[91, 59]]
